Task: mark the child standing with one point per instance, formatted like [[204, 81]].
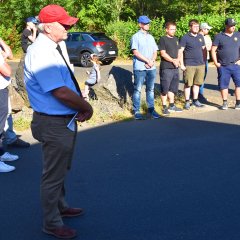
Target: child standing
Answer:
[[94, 75]]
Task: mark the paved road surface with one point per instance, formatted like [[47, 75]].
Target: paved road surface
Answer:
[[175, 178]]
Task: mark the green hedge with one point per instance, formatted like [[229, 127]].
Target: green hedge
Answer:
[[11, 37], [121, 32]]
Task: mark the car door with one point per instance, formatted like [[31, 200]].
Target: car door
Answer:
[[73, 44]]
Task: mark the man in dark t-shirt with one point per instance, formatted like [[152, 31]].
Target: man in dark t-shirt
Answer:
[[29, 34], [169, 74], [192, 63], [225, 55]]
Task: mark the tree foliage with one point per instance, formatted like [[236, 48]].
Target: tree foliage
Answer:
[[107, 15]]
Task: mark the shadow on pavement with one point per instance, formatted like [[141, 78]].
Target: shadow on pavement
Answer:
[[164, 179]]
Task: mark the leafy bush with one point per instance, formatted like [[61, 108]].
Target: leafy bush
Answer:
[[122, 32], [216, 21], [11, 37]]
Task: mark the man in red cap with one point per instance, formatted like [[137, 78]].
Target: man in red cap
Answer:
[[57, 102]]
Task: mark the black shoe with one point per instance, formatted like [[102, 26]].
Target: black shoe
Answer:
[[19, 143]]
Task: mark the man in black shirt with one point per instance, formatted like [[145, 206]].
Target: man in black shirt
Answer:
[[169, 74], [29, 34]]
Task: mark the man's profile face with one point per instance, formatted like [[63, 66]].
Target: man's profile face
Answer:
[[58, 31], [205, 31], [144, 26], [230, 29]]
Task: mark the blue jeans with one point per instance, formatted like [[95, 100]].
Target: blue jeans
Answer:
[[139, 78], [9, 136]]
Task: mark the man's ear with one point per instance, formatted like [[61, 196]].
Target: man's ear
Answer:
[[47, 28]]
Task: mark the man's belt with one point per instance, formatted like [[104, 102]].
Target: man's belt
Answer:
[[50, 115]]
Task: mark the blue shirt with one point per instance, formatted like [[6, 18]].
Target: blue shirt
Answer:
[[146, 45], [44, 71], [193, 51], [227, 48]]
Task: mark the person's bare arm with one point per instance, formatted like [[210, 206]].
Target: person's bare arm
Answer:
[[214, 56], [7, 50], [180, 57], [73, 100], [149, 62], [32, 37], [167, 57]]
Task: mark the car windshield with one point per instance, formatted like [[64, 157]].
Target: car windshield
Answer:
[[99, 36]]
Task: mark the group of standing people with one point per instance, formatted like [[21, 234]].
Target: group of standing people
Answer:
[[57, 102], [191, 55]]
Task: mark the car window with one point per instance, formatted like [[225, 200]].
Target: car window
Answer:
[[76, 37], [99, 36]]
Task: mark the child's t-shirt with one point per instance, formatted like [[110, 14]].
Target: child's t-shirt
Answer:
[[93, 72]]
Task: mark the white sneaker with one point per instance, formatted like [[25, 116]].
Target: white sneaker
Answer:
[[7, 157], [6, 168]]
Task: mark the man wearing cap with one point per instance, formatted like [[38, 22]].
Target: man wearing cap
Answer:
[[144, 50], [225, 55], [29, 34], [204, 30], [192, 63], [56, 100]]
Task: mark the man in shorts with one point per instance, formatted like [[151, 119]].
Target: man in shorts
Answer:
[[225, 55], [169, 74], [192, 63]]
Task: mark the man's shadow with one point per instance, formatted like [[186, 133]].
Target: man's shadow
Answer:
[[124, 82]]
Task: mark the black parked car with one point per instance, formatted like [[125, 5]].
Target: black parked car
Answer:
[[81, 45]]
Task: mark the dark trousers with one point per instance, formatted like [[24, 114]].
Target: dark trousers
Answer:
[[3, 114], [57, 147]]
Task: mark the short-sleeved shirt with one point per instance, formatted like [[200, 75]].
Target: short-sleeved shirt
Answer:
[[146, 45], [4, 81], [44, 71], [93, 72], [25, 42], [171, 46], [227, 48], [193, 51]]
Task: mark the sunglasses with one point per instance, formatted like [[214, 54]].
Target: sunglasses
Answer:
[[66, 27]]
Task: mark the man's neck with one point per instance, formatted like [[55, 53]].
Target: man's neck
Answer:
[[194, 34], [169, 36], [229, 33], [144, 31]]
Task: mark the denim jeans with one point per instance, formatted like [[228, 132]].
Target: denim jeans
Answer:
[[201, 89], [140, 77], [9, 136]]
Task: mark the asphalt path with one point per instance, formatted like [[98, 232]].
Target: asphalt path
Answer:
[[174, 178]]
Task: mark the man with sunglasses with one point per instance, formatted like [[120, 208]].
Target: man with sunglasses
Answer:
[[204, 30], [57, 102], [144, 49]]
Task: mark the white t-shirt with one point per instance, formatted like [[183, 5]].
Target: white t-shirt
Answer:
[[4, 81]]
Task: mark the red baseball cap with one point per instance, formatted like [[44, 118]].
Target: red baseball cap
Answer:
[[55, 13]]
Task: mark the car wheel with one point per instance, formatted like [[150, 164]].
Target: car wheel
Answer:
[[107, 62], [85, 59]]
